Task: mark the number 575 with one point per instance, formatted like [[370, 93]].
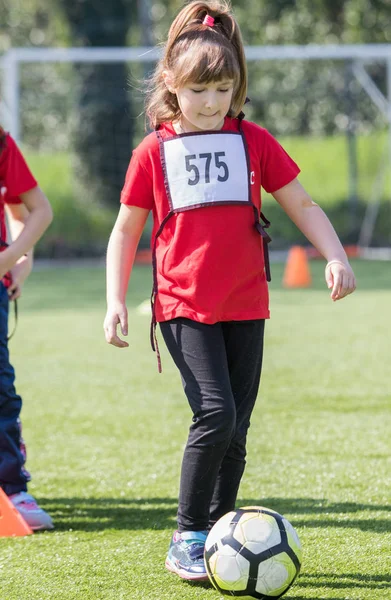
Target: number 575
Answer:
[[207, 156]]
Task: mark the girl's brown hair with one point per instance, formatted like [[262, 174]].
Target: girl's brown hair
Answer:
[[198, 53]]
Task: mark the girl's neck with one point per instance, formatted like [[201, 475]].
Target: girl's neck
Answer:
[[179, 127]]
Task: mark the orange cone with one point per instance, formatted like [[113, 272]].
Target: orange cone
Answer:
[[12, 523], [297, 272]]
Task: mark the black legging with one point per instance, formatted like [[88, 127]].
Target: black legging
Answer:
[[220, 366]]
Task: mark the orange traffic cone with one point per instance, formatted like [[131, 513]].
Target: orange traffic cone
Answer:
[[12, 523], [297, 272]]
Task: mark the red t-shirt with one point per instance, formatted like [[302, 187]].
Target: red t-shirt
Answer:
[[209, 260], [15, 176]]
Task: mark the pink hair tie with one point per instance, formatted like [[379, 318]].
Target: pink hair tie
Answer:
[[208, 20]]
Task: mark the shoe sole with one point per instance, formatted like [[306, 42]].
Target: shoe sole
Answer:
[[184, 574], [42, 527]]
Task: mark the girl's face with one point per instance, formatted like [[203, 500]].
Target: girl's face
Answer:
[[204, 105]]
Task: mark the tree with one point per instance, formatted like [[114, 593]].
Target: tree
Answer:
[[103, 129]]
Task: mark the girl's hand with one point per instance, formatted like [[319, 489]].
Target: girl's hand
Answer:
[[340, 279], [116, 315], [19, 273]]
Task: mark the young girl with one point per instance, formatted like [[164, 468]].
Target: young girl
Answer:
[[29, 214], [200, 173]]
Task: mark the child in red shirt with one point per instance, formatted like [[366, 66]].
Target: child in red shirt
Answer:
[[29, 214], [200, 173]]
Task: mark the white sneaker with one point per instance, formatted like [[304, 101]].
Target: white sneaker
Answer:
[[34, 516]]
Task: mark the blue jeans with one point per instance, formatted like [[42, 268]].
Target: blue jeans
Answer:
[[13, 478]]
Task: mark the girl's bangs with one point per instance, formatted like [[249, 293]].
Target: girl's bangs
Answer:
[[203, 63]]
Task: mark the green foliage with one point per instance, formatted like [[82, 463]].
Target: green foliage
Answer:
[[102, 130], [94, 108], [78, 228], [325, 175], [37, 23], [288, 97], [284, 233], [289, 22], [105, 435]]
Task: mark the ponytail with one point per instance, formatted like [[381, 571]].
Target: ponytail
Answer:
[[199, 52]]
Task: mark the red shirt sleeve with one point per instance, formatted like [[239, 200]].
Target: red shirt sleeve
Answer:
[[138, 187], [277, 167], [15, 175]]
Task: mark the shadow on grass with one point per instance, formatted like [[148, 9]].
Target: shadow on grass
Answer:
[[345, 581], [206, 585], [328, 580], [331, 581], [335, 514], [99, 514]]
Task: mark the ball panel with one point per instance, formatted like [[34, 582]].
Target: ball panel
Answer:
[[258, 528], [220, 529], [275, 575], [239, 586], [293, 539], [229, 569], [255, 548]]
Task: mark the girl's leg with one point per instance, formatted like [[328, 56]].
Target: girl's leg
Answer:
[[199, 353], [244, 348], [12, 477]]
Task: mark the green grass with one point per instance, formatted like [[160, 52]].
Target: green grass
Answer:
[[105, 435]]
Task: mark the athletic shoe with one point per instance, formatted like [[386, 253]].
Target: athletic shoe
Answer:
[[186, 555], [34, 516]]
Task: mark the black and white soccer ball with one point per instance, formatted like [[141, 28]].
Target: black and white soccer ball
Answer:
[[253, 553]]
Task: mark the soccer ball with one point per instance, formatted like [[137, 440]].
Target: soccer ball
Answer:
[[253, 553]]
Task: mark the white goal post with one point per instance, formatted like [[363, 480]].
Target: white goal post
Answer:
[[359, 55]]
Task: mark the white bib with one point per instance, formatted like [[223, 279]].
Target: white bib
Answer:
[[206, 169]]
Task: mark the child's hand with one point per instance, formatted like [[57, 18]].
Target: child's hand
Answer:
[[19, 273], [340, 279], [4, 264], [116, 315]]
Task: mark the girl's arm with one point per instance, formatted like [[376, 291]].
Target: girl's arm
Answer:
[[315, 225], [28, 225], [121, 252], [17, 215]]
